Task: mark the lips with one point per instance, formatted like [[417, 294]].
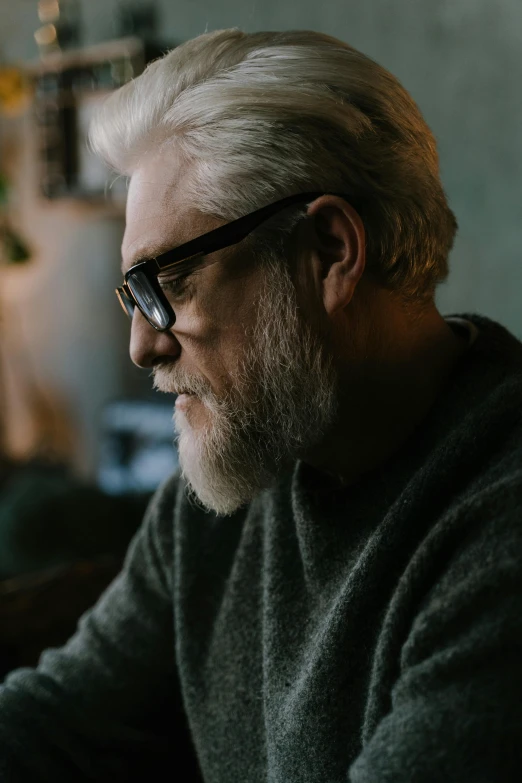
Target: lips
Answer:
[[183, 399]]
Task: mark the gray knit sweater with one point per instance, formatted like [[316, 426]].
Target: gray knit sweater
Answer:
[[367, 634]]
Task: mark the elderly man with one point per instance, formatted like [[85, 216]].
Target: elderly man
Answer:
[[331, 589]]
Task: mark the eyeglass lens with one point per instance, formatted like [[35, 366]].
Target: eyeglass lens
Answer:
[[148, 302]]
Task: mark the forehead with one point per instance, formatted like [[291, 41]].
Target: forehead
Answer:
[[156, 219]]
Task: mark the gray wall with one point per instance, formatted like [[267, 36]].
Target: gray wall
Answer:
[[460, 59]]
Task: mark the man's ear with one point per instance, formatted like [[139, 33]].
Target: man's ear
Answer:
[[338, 247]]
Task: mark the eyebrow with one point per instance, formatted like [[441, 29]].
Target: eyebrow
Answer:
[[145, 253]]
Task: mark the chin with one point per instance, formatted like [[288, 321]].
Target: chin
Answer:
[[213, 478]]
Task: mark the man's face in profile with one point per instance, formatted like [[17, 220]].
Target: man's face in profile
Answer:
[[257, 385]]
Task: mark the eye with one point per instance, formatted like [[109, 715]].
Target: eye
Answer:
[[176, 286]]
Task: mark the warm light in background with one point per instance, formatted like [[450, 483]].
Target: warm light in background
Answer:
[[48, 10], [15, 92], [46, 35]]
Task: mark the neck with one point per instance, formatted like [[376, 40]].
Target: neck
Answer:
[[387, 394]]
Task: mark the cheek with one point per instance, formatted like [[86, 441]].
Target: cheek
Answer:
[[208, 351], [214, 329]]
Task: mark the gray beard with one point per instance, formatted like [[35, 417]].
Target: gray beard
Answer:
[[283, 401]]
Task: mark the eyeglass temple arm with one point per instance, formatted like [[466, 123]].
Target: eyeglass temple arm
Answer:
[[229, 234]]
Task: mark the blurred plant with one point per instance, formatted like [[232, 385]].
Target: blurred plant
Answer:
[[13, 248], [15, 96]]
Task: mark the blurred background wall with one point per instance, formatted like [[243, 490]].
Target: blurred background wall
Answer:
[[62, 332]]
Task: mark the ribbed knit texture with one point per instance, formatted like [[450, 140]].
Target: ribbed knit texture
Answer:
[[369, 634]]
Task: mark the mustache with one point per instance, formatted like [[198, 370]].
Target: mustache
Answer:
[[170, 379]]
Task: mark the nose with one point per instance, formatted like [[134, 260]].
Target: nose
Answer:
[[147, 344]]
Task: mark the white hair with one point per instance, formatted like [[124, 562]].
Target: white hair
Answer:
[[256, 117]]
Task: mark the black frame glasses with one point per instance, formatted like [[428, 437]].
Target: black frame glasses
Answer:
[[141, 287]]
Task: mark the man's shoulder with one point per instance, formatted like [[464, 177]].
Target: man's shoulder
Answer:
[[478, 420]]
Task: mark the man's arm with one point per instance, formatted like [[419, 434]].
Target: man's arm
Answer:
[[456, 707], [106, 705]]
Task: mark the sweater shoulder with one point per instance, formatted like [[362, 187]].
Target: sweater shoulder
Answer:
[[476, 548]]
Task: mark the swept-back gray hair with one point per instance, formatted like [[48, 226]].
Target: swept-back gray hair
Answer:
[[260, 116]]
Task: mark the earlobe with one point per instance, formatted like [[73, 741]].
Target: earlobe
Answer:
[[338, 289]]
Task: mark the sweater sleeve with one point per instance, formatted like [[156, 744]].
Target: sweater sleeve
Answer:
[[105, 706], [456, 706]]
